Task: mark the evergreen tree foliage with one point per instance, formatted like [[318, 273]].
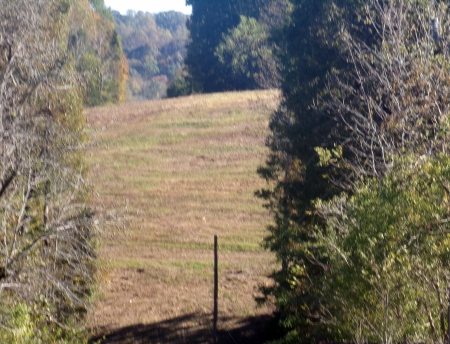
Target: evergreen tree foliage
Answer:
[[293, 170], [365, 91]]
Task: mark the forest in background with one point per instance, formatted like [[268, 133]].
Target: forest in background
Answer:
[[97, 52], [155, 47]]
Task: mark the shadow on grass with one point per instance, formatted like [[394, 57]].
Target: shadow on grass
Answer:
[[190, 329]]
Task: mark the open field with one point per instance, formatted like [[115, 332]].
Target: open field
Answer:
[[185, 170]]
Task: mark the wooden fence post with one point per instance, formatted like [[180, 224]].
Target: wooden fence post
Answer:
[[216, 291]]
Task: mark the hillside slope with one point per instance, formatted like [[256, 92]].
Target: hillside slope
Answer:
[[185, 169]]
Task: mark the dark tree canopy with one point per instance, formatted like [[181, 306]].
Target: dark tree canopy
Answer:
[[209, 22], [363, 116]]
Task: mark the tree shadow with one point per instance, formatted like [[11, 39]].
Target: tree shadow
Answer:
[[192, 329]]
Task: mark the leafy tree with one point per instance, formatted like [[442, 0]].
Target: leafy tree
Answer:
[[309, 51], [364, 83], [395, 92], [388, 254], [143, 61], [100, 8], [246, 50], [155, 48], [47, 255], [175, 22], [400, 108], [275, 14], [207, 24], [179, 88], [97, 52], [89, 66], [230, 47]]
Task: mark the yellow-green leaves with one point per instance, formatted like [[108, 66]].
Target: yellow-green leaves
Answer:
[[46, 225], [329, 156], [392, 243]]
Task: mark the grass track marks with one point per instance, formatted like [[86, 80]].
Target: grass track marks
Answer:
[[186, 167]]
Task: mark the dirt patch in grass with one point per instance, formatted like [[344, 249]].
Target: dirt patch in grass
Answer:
[[185, 169]]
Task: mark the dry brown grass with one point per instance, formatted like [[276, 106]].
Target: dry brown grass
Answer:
[[186, 170]]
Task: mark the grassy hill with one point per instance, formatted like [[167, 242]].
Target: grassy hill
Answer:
[[185, 170]]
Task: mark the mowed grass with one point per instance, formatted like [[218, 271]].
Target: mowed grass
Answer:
[[185, 170]]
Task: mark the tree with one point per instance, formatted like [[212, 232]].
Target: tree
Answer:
[[246, 51], [173, 21], [230, 46], [100, 8], [388, 255], [308, 52], [207, 24], [179, 87], [47, 255], [394, 103], [97, 52], [365, 87], [394, 96]]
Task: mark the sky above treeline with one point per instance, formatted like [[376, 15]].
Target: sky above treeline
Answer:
[[152, 6]]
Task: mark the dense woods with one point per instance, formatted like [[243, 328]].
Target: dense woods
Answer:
[[57, 56], [229, 46], [97, 52], [358, 173], [155, 46]]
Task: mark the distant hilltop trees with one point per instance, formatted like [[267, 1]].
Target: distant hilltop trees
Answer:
[[222, 46], [96, 50], [155, 46]]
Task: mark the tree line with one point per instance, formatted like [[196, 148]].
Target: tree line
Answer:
[[155, 46], [358, 174], [97, 52], [56, 56], [231, 46]]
